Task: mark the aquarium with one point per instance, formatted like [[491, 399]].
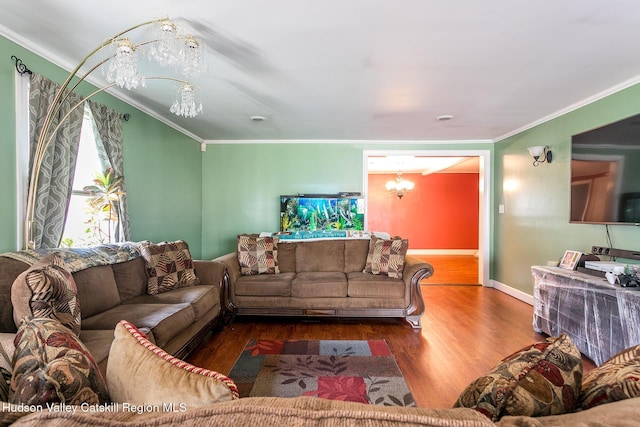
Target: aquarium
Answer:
[[320, 212]]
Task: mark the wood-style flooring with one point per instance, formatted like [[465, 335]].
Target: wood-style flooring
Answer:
[[465, 331], [452, 269]]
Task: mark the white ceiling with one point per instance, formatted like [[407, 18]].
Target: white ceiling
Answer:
[[362, 69]]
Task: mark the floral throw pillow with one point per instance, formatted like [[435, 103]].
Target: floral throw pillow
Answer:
[[258, 254], [541, 379], [616, 379], [169, 266], [47, 289], [386, 256], [50, 365]]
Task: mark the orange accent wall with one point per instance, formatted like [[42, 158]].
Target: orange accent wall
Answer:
[[440, 213]]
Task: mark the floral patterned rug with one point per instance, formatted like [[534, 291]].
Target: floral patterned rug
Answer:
[[356, 371]]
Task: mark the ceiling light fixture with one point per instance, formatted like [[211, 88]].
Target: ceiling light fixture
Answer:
[[399, 186], [167, 48]]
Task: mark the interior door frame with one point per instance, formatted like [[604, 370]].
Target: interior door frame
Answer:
[[484, 194]]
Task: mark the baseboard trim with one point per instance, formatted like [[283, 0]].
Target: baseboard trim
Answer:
[[516, 293], [473, 252]]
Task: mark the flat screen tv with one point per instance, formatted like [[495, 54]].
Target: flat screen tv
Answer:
[[605, 174]]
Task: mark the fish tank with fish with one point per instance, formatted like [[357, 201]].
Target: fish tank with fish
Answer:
[[321, 213]]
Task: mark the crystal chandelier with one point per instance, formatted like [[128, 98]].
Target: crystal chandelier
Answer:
[[400, 186], [186, 104], [123, 67], [168, 48]]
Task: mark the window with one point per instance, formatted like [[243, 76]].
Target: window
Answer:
[[78, 229]]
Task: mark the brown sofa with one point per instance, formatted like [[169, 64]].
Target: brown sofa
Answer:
[[176, 320], [325, 278]]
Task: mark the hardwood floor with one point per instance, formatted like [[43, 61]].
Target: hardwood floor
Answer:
[[452, 269], [466, 331]]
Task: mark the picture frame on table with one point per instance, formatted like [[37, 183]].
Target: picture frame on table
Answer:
[[570, 260]]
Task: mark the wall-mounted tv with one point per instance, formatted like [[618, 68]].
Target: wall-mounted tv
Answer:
[[313, 212], [605, 174]]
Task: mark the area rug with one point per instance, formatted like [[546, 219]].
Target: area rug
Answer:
[[356, 371]]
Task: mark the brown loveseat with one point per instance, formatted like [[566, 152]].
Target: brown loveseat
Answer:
[[176, 320], [312, 411], [326, 278]]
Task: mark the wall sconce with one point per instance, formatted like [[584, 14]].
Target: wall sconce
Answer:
[[540, 154]]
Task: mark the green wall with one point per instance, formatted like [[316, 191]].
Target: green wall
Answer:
[[242, 182], [535, 226], [162, 165]]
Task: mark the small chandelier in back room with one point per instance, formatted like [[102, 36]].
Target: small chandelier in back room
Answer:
[[400, 186]]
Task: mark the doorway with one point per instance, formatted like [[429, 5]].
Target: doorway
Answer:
[[483, 193]]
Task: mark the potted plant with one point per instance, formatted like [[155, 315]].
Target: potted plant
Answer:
[[106, 193]]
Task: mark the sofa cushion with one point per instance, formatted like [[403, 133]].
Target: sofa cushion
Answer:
[[365, 285], [131, 278], [257, 254], [140, 373], [98, 342], [319, 284], [164, 320], [386, 256], [169, 266], [287, 257], [51, 365], [616, 379], [541, 379], [97, 289], [10, 269], [203, 298], [278, 285], [322, 255], [355, 254], [47, 289]]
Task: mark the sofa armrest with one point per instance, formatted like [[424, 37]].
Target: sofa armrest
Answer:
[[209, 272], [232, 272], [415, 270], [232, 265]]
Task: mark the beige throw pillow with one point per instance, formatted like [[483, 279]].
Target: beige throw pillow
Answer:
[[141, 373]]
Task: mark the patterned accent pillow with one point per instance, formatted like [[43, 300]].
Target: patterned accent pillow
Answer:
[[541, 379], [47, 289], [386, 256], [169, 266], [139, 372], [258, 255], [51, 365], [616, 379]]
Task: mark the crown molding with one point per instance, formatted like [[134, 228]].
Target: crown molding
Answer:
[[573, 107], [345, 141]]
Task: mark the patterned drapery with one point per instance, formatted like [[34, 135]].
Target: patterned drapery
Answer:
[[58, 166], [108, 136]]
